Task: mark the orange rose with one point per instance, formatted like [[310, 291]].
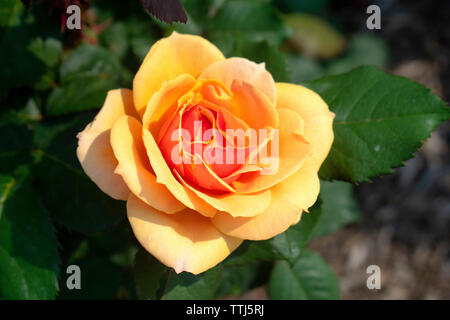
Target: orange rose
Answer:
[[148, 147]]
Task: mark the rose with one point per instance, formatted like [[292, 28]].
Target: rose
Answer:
[[191, 216]]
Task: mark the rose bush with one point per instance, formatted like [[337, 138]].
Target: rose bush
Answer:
[[192, 216]]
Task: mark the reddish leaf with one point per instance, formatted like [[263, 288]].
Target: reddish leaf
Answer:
[[167, 11]]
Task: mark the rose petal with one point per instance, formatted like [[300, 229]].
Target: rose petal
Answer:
[[252, 106], [237, 205], [169, 58], [185, 241], [214, 91], [293, 151], [94, 149], [241, 69], [134, 167], [294, 194], [164, 175], [315, 113], [164, 103]]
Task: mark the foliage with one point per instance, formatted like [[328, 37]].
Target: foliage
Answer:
[[53, 82]]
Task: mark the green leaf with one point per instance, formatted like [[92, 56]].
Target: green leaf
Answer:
[[186, 286], [313, 36], [238, 279], [363, 49], [47, 50], [10, 11], [253, 20], [310, 6], [156, 281], [302, 68], [151, 276], [14, 147], [87, 74], [22, 54], [251, 251], [88, 58], [201, 11], [28, 248], [310, 277], [339, 207], [291, 243], [71, 197], [115, 39], [142, 37], [380, 121], [27, 113]]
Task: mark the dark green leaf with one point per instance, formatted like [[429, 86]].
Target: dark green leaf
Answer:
[[310, 277], [251, 251], [87, 74], [302, 68], [253, 20], [27, 47], [380, 121], [47, 50], [310, 6], [238, 279], [156, 281], [10, 11], [28, 248], [339, 207], [115, 39], [151, 276], [142, 36], [14, 147], [20, 66], [201, 11], [186, 286]]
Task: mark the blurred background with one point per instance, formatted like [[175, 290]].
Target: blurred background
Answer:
[[405, 217], [54, 87]]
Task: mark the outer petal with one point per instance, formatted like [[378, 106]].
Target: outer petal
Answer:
[[185, 241], [237, 205], [293, 151], [134, 167], [94, 149], [289, 198], [169, 58], [315, 113], [164, 175], [244, 70]]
